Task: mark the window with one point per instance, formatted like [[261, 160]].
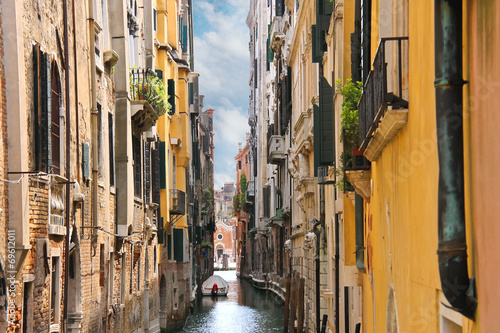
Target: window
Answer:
[[155, 260], [100, 140], [138, 263], [136, 147], [154, 19], [239, 165], [101, 266], [28, 307], [123, 278], [219, 236], [174, 171], [55, 296], [111, 271], [55, 135], [147, 172], [111, 142]]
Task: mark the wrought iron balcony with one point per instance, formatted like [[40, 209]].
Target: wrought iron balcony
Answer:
[[383, 90], [177, 202], [149, 97]]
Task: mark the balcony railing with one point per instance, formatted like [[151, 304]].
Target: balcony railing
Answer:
[[376, 98], [146, 86], [353, 159], [177, 202]]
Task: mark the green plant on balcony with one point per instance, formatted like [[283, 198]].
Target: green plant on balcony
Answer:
[[350, 127], [207, 244], [146, 86], [236, 204]]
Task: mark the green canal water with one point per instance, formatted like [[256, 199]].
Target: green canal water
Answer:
[[244, 310]]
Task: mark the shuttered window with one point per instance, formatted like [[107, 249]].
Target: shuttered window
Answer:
[[136, 147], [171, 95], [41, 117], [324, 126], [55, 135], [147, 172], [155, 173], [111, 141], [163, 173], [179, 241]]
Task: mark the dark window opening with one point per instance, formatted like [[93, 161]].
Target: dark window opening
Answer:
[[136, 147], [54, 121]]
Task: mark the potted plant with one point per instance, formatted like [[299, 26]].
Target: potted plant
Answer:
[[350, 132]]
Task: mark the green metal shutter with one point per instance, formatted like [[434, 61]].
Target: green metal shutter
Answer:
[[163, 173], [171, 96], [179, 244]]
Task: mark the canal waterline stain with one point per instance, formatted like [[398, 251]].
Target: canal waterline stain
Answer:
[[244, 310]]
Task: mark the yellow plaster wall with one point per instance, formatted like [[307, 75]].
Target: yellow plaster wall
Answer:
[[401, 218]]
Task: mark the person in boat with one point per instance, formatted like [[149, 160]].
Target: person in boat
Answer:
[[215, 289]]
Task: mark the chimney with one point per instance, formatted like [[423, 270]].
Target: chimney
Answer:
[[239, 147]]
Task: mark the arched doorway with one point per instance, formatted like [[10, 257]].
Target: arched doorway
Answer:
[[75, 314]]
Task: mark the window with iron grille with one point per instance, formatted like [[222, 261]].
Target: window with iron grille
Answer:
[[147, 172], [136, 147], [111, 141]]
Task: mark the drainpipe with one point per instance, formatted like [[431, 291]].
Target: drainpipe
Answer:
[[318, 236], [452, 247], [68, 167], [94, 123], [75, 70]]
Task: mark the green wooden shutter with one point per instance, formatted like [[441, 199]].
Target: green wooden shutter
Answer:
[[317, 138], [191, 93], [169, 246], [171, 96], [159, 74], [163, 173], [179, 244], [316, 53], [44, 67], [324, 127], [270, 53]]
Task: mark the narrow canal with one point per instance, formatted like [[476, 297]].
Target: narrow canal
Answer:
[[244, 310]]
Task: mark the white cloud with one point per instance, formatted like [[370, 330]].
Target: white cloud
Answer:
[[222, 59]]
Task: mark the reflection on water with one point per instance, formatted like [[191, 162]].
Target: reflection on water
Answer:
[[244, 310]]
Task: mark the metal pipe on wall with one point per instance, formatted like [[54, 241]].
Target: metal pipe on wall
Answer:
[[452, 247], [95, 114], [68, 166]]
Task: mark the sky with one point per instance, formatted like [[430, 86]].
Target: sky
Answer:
[[221, 57]]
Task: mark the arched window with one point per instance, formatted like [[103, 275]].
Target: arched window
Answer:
[[55, 137]]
